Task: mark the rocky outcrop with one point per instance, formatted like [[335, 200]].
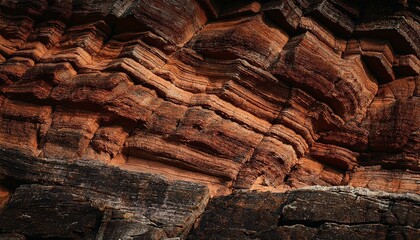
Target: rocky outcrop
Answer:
[[108, 107], [88, 200], [312, 213], [240, 93]]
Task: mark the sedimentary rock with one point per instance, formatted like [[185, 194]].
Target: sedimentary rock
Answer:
[[130, 115], [84, 199], [302, 214]]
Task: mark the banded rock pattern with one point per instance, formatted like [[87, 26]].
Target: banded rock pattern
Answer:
[[265, 95]]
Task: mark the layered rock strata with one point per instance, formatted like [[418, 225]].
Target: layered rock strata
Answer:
[[135, 113], [302, 214]]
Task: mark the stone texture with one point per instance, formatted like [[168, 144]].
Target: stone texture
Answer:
[[312, 213], [83, 198], [64, 213], [129, 115]]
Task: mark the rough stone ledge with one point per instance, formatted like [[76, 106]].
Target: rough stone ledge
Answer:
[[86, 200], [90, 200], [357, 191], [311, 213]]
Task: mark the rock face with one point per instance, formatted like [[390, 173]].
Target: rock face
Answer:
[[79, 199], [302, 214], [120, 119]]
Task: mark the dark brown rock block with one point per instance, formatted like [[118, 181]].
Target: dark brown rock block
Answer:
[[244, 214], [407, 65], [92, 197], [12, 236], [231, 10], [403, 33], [50, 211], [331, 14], [310, 213], [189, 19], [13, 69], [284, 13]]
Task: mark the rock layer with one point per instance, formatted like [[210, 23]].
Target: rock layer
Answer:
[[188, 96], [84, 200], [302, 214]]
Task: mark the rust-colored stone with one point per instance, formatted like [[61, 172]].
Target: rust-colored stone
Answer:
[[229, 95]]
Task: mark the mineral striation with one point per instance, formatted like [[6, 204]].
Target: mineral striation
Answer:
[[209, 119]]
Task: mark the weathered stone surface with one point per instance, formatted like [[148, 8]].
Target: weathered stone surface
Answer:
[[12, 236], [84, 197], [225, 40], [152, 101], [377, 178], [312, 213], [284, 13], [49, 211]]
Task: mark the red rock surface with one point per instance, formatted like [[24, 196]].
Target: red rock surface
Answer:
[[239, 95]]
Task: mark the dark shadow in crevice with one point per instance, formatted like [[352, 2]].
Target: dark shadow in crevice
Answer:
[[11, 184]]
